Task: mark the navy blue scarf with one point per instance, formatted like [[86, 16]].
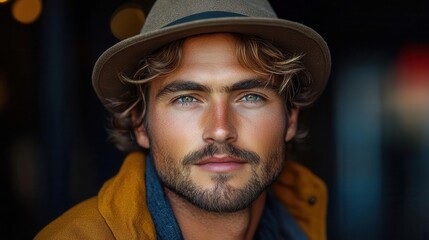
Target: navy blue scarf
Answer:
[[276, 223]]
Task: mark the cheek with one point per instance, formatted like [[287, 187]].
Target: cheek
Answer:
[[264, 131], [174, 134]]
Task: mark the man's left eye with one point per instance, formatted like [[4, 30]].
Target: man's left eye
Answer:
[[252, 98]]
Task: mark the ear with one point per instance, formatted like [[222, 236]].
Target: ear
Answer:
[[140, 132], [292, 124]]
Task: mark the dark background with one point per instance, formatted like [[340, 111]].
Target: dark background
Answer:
[[369, 135]]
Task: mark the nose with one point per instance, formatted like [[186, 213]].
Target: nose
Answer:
[[219, 125]]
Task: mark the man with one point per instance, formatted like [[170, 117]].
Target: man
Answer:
[[210, 91]]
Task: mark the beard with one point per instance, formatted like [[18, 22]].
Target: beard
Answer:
[[221, 197]]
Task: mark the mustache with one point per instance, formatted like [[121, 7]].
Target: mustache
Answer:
[[226, 149]]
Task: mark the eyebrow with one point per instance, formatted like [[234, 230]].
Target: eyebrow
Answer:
[[182, 85], [251, 83]]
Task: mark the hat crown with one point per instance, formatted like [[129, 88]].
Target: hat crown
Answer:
[[168, 12]]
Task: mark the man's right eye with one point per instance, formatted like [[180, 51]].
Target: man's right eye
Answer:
[[185, 100]]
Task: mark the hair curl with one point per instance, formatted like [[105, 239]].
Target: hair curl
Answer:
[[252, 52]]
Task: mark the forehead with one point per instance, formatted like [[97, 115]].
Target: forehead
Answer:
[[205, 48], [209, 59]]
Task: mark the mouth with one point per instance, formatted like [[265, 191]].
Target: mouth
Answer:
[[221, 164]]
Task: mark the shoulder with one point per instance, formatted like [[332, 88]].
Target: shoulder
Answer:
[[83, 221], [305, 196]]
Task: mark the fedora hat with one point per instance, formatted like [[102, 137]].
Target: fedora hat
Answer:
[[170, 20]]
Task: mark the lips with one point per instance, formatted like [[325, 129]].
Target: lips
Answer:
[[221, 164]]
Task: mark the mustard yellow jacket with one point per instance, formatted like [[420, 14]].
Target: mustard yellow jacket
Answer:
[[120, 212]]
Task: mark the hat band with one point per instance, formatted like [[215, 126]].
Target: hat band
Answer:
[[204, 15]]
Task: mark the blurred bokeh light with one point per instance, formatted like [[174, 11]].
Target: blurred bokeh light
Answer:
[[127, 21], [410, 89], [26, 11]]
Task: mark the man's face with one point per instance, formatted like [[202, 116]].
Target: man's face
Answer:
[[215, 130]]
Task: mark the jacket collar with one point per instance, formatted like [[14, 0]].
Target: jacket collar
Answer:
[[124, 208]]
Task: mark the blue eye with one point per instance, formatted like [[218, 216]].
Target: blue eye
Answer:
[[252, 98], [185, 100]]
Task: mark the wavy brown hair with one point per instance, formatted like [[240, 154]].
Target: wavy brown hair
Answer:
[[254, 53]]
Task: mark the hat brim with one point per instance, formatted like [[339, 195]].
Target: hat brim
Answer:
[[290, 36]]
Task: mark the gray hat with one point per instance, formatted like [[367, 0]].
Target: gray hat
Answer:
[[170, 20]]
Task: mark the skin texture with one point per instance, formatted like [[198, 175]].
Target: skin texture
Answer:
[[217, 135]]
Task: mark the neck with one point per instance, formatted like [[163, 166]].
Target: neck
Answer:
[[196, 223]]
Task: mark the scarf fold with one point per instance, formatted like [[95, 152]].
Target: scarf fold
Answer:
[[162, 214], [275, 224]]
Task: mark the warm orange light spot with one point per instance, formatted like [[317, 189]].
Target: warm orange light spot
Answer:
[[3, 1], [26, 11], [127, 21]]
